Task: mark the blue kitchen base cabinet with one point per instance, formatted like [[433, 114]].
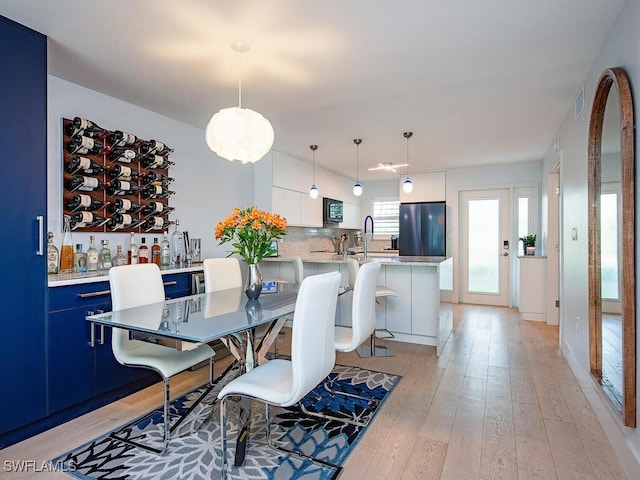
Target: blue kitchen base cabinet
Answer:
[[78, 371]]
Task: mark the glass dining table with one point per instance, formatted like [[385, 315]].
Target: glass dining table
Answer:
[[227, 315]]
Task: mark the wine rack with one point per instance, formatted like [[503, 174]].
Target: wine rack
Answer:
[[114, 181]]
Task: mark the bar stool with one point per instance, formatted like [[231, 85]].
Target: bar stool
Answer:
[[372, 350]]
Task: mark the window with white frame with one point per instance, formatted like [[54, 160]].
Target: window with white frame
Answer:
[[386, 215]]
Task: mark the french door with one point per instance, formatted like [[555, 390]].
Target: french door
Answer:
[[484, 247]]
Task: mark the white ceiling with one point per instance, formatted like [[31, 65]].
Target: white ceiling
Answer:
[[478, 82]]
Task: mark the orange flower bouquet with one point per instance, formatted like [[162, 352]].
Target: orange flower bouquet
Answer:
[[252, 231]]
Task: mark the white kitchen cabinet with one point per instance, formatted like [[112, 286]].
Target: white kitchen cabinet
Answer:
[[532, 301], [427, 187], [351, 215], [398, 309], [298, 208]]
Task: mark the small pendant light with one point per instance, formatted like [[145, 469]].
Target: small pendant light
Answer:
[[313, 191], [357, 188], [407, 185]]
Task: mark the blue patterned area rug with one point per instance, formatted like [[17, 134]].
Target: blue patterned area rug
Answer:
[[194, 451]]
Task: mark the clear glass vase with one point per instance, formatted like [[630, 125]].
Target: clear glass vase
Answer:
[[253, 287]]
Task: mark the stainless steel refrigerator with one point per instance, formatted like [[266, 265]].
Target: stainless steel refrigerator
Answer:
[[422, 229]]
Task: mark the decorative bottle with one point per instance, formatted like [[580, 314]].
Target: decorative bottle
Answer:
[[143, 252], [79, 259], [92, 255], [119, 259], [88, 166], [81, 201], [177, 244], [66, 252], [133, 250], [104, 256], [53, 256], [156, 252], [165, 254], [83, 183], [84, 127]]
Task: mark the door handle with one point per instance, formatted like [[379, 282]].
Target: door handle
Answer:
[[505, 254], [40, 250]]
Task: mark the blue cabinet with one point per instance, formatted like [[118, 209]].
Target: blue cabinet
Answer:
[[80, 361], [23, 284]]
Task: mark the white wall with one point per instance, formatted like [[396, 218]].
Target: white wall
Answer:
[[207, 187], [619, 50]]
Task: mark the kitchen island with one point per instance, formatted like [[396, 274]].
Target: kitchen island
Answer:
[[421, 313]]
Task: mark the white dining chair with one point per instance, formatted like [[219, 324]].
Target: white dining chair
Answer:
[[221, 273], [133, 286], [372, 350], [283, 382], [363, 325]]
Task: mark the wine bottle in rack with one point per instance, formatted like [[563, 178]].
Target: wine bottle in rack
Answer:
[[156, 178], [155, 147], [84, 184], [81, 201], [123, 205], [156, 208], [84, 127], [122, 187], [85, 145], [124, 173], [85, 164], [156, 161], [123, 155], [155, 223], [121, 139], [122, 220], [156, 191], [86, 219]]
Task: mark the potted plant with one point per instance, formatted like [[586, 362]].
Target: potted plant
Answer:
[[528, 244]]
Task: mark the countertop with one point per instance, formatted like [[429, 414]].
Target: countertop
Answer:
[[64, 279], [322, 257]]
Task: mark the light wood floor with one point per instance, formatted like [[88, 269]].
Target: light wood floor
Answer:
[[499, 403]]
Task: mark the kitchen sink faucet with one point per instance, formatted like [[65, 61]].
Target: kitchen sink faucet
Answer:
[[366, 239]]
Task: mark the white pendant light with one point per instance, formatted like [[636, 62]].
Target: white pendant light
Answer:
[[313, 191], [238, 133], [357, 188], [407, 185]]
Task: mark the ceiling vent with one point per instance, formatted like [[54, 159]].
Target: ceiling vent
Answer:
[[579, 106]]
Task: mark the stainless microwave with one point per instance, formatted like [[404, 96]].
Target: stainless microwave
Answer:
[[332, 210]]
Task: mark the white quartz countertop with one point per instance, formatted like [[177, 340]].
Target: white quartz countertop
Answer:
[[321, 257], [64, 279]]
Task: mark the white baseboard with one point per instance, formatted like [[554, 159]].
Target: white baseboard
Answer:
[[628, 456]]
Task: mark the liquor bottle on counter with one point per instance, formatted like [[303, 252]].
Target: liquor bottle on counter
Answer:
[[155, 147], [84, 127], [104, 256], [155, 223], [92, 255], [123, 155], [86, 219], [177, 244], [84, 184], [81, 201], [156, 161], [156, 252], [121, 139], [165, 254], [66, 252], [156, 208], [123, 205], [156, 178], [132, 254], [143, 252], [85, 146], [53, 256], [119, 259], [156, 191], [122, 187], [79, 259], [124, 173], [88, 166]]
